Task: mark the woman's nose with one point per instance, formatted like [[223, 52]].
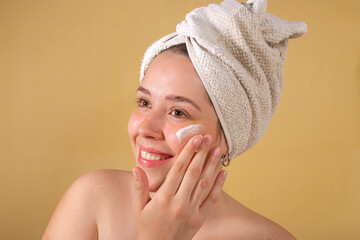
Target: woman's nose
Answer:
[[151, 127]]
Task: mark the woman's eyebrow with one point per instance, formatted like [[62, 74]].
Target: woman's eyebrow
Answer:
[[143, 90], [182, 99]]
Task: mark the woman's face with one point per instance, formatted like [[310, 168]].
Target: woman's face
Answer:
[[170, 97]]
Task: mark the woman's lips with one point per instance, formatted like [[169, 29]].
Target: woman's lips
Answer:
[[149, 157]]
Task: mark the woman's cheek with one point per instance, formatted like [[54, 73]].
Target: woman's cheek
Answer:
[[133, 125], [178, 137], [172, 140]]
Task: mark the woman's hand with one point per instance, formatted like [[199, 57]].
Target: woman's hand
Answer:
[[183, 202]]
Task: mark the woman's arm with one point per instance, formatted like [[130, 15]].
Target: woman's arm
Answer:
[[74, 217]]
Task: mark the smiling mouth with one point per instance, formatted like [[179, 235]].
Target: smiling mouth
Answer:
[[152, 158]]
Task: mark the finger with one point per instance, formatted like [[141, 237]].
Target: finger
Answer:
[[141, 189], [207, 178], [215, 192], [195, 169], [176, 173]]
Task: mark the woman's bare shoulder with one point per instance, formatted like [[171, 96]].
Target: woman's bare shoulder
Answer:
[[106, 179], [83, 202], [100, 184], [256, 225], [239, 222]]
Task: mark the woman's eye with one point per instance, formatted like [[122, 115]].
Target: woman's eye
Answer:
[[177, 113], [143, 103]]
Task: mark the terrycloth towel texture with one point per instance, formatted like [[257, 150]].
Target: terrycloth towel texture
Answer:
[[239, 51]]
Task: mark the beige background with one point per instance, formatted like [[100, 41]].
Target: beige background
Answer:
[[68, 75]]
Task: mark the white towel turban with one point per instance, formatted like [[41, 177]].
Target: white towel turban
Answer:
[[239, 51]]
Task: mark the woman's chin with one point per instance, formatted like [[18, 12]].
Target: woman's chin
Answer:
[[155, 176], [154, 184]]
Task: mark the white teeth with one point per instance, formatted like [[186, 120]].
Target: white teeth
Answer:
[[148, 156]]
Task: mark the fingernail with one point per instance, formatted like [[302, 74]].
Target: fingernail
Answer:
[[208, 140], [217, 152], [136, 175], [198, 140]]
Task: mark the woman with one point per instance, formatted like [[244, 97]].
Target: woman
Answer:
[[207, 93]]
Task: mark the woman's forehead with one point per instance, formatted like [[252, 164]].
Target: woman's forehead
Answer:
[[174, 74]]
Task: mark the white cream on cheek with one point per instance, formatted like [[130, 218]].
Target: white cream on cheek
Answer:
[[188, 131]]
